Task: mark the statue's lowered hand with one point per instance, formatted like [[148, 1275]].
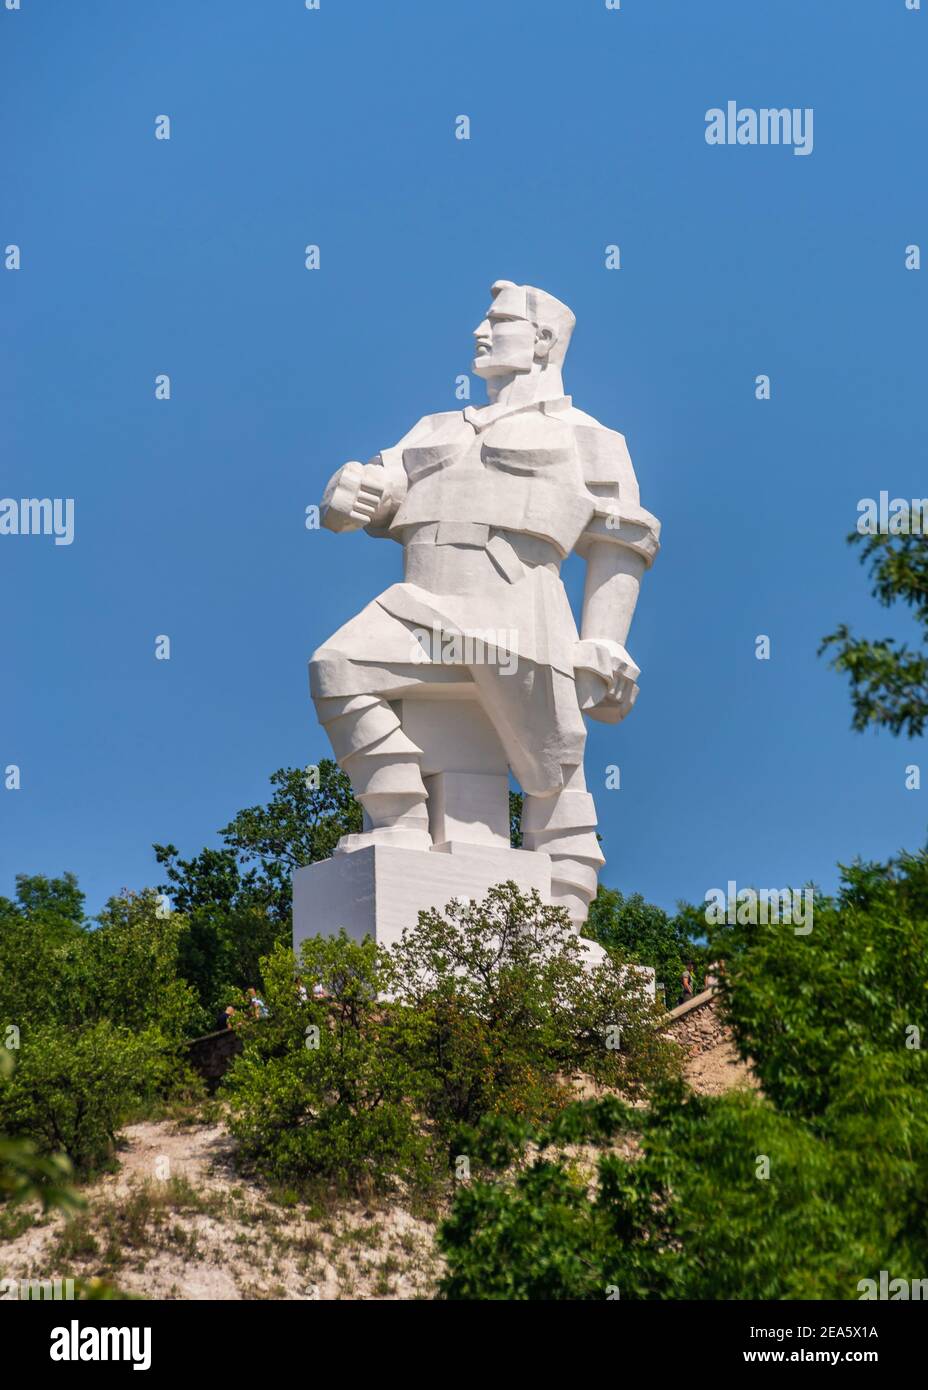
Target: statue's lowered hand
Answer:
[[353, 497], [606, 679]]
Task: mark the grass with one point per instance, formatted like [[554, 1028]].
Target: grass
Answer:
[[15, 1218], [275, 1241], [135, 1223]]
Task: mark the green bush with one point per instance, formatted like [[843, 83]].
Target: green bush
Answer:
[[481, 1009], [98, 1017], [508, 1013], [23, 1172], [73, 1087], [801, 1193], [321, 1090], [536, 1232], [808, 1008], [41, 938], [125, 970], [728, 1200]]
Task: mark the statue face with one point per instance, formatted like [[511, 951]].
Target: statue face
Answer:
[[505, 344]]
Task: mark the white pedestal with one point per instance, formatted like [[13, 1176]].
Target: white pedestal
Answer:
[[380, 889]]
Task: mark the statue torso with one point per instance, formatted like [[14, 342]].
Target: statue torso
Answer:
[[520, 471]]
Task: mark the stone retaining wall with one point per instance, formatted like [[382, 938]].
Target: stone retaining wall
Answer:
[[696, 1025], [212, 1055]]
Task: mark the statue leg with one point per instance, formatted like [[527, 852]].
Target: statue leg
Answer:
[[351, 677], [385, 768], [563, 825], [535, 713]]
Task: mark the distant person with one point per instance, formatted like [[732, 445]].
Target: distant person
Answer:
[[257, 1004], [301, 991], [686, 984]]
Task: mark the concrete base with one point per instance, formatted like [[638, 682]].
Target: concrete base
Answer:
[[380, 889]]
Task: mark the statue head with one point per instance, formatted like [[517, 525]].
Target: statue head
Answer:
[[525, 330]]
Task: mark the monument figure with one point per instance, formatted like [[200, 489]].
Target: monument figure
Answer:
[[472, 666]]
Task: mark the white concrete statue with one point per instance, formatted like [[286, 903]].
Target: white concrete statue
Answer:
[[473, 666]]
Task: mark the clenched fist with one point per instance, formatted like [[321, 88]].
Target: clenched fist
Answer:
[[606, 679], [354, 497]]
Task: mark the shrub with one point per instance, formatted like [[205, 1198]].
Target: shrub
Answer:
[[99, 1016], [23, 1172], [479, 1010], [508, 1012], [72, 1088], [808, 1009], [694, 1217], [130, 970], [321, 1089], [126, 970], [801, 1193]]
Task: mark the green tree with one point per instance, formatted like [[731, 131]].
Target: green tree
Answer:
[[26, 1174], [515, 819], [639, 931], [302, 823], [801, 1192], [97, 1019], [889, 680], [808, 1008], [38, 966], [72, 1088], [131, 971], [55, 903], [230, 923], [237, 899], [126, 971]]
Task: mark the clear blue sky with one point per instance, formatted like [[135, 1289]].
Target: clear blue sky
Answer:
[[336, 127]]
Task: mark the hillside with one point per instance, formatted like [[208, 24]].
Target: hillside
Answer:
[[177, 1222]]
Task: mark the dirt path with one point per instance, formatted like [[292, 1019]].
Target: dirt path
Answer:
[[176, 1221]]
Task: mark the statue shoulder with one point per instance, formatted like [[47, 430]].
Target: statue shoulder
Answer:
[[618, 515], [603, 454]]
